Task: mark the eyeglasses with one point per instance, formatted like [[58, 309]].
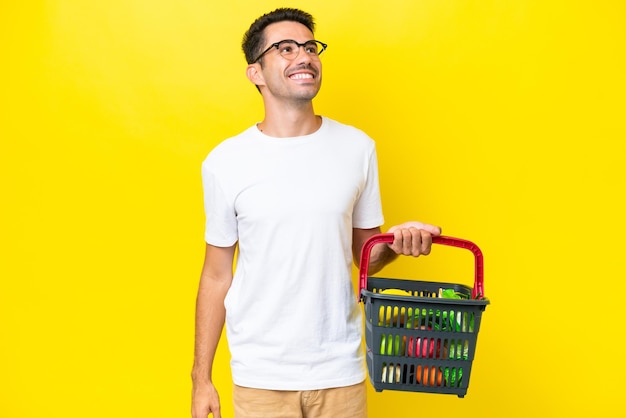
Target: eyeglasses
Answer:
[[290, 49]]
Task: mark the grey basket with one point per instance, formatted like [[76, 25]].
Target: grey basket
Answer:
[[421, 342]]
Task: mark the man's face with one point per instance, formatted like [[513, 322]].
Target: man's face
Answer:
[[298, 79]]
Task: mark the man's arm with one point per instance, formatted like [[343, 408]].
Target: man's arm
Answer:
[[410, 238], [215, 280]]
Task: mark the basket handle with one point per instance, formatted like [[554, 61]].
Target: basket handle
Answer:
[[479, 288]]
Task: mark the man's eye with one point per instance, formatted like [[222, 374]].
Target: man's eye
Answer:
[[286, 49]]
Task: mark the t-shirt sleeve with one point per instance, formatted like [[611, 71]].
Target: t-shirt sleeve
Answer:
[[368, 211], [221, 221]]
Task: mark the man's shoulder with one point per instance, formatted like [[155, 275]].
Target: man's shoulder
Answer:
[[233, 142], [347, 131], [222, 155], [334, 124], [242, 136]]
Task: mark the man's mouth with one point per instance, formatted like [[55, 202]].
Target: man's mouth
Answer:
[[301, 76]]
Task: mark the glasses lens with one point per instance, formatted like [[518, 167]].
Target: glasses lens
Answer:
[[290, 49], [312, 48]]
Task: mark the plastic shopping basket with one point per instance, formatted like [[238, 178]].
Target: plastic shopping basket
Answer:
[[421, 337]]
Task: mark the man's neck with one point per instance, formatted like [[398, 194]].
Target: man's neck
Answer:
[[290, 122]]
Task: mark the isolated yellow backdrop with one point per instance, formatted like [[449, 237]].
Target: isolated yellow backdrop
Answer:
[[502, 121]]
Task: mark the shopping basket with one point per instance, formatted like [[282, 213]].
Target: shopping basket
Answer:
[[421, 336]]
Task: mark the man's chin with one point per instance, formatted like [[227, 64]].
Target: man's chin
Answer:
[[307, 97], [307, 94]]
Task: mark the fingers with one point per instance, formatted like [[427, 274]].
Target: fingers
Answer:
[[205, 401], [433, 229], [413, 241], [204, 412]]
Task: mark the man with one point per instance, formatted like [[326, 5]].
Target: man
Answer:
[[298, 195]]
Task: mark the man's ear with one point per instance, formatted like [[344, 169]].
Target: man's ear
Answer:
[[254, 74]]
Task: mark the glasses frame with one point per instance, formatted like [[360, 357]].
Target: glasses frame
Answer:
[[276, 44]]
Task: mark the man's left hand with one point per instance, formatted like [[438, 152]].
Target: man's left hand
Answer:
[[413, 238]]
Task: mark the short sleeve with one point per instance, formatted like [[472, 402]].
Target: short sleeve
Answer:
[[221, 219], [368, 211]]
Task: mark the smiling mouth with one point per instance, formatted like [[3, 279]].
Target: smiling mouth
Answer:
[[301, 76]]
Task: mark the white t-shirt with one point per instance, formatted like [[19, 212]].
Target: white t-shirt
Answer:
[[292, 317]]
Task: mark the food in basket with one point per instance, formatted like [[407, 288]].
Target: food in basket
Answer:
[[426, 348], [451, 294], [389, 376], [439, 320], [453, 376], [459, 349], [392, 346], [385, 349], [397, 292], [386, 320], [392, 311], [428, 376]]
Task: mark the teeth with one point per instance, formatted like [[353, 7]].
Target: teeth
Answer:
[[301, 76]]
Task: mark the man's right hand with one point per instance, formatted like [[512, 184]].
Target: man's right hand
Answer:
[[205, 401]]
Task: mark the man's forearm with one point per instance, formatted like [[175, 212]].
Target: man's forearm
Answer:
[[210, 315], [380, 256], [215, 280]]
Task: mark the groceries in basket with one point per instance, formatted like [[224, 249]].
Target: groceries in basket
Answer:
[[447, 320], [421, 336]]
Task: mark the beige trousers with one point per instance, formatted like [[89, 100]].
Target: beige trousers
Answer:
[[343, 402]]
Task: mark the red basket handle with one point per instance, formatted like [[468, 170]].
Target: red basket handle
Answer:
[[479, 288]]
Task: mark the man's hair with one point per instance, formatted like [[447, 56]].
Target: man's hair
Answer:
[[254, 38]]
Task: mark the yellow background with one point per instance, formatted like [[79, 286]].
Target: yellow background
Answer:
[[501, 121]]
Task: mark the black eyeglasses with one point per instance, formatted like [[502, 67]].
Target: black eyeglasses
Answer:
[[289, 49]]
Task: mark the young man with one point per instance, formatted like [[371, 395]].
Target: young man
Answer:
[[298, 194]]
